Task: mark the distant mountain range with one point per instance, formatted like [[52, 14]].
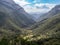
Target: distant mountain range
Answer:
[[36, 15]]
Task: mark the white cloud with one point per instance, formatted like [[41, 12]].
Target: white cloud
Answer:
[[32, 9], [21, 2], [46, 4]]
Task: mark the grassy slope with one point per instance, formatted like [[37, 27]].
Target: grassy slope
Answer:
[[49, 27]]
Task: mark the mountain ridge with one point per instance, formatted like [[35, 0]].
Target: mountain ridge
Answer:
[[49, 14], [13, 18]]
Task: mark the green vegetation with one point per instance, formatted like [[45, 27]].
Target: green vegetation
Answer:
[[17, 40], [47, 33], [16, 28], [49, 27]]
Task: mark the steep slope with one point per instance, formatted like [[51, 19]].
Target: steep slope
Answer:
[[16, 13], [36, 15], [13, 18], [45, 29], [49, 27], [51, 13]]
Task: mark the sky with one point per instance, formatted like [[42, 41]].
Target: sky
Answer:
[[37, 6]]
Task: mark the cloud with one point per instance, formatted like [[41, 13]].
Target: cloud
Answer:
[[35, 7], [30, 9], [42, 8], [46, 5], [21, 2]]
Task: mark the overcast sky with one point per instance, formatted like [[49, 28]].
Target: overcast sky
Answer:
[[35, 6]]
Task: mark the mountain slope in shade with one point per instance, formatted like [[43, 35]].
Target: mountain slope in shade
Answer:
[[15, 13], [13, 18], [51, 13]]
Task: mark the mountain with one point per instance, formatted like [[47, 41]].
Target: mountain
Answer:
[[16, 13], [13, 18], [37, 15], [51, 13], [49, 27]]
